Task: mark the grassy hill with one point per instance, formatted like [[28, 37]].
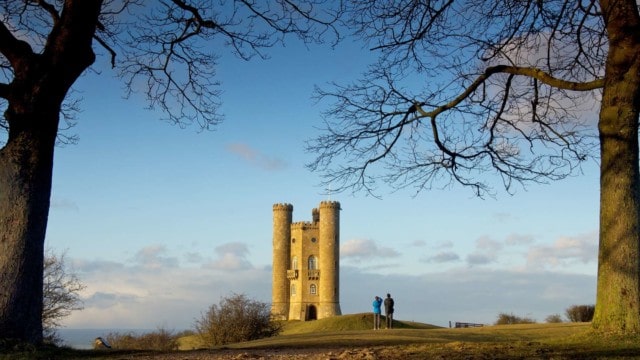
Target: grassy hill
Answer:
[[410, 340], [356, 330], [362, 321], [351, 337], [300, 330]]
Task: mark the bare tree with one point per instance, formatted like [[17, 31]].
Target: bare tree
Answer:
[[467, 88], [166, 49], [61, 294]]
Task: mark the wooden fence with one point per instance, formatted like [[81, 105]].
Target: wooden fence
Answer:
[[465, 325]]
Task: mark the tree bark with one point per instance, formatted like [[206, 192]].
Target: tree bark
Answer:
[[35, 96], [618, 294], [26, 164]]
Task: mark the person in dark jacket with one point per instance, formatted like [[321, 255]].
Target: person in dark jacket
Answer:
[[388, 310]]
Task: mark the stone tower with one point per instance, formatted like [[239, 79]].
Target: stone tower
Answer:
[[306, 263]]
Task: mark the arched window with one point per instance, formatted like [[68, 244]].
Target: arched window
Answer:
[[294, 263], [293, 289], [313, 289], [313, 263]]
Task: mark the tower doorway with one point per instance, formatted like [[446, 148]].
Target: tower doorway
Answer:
[[311, 312]]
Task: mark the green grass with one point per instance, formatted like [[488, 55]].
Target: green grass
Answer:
[[347, 322], [410, 340], [355, 331], [407, 341], [301, 330]]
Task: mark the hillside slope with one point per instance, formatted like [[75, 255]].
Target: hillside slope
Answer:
[[362, 321]]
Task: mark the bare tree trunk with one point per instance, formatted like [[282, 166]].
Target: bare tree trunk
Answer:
[[35, 97], [26, 164], [618, 296]]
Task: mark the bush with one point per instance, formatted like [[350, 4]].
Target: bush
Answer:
[[161, 340], [510, 319], [61, 294], [553, 319], [237, 318], [580, 313]]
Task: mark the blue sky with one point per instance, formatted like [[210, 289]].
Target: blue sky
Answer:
[[161, 222]]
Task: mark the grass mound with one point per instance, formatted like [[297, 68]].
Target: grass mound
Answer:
[[363, 321], [322, 329]]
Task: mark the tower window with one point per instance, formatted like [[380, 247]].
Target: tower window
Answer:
[[293, 241], [294, 263], [313, 289], [313, 263], [293, 289], [313, 240]]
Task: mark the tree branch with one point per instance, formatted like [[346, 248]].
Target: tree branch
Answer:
[[15, 50]]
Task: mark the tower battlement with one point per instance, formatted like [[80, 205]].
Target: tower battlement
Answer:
[[306, 269], [283, 206], [330, 204], [302, 225]]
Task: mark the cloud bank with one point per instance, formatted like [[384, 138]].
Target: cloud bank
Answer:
[[155, 288]]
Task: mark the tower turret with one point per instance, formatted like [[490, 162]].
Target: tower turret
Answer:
[[329, 239], [282, 218]]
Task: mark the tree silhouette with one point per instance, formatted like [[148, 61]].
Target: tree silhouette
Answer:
[[61, 294], [471, 87], [165, 49]]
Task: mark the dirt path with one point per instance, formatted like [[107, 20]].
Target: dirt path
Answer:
[[273, 354]]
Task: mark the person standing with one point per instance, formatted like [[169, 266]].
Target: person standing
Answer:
[[377, 303], [388, 310]]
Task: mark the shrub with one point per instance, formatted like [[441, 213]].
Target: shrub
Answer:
[[161, 340], [61, 289], [510, 319], [555, 318], [580, 313], [237, 318]]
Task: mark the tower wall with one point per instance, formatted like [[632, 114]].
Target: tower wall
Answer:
[[329, 256], [316, 294], [282, 218], [303, 245]]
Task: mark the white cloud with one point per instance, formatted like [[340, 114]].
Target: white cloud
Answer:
[[467, 295], [63, 204], [485, 243], [518, 239], [131, 296], [486, 252], [231, 256], [419, 243], [98, 266], [443, 257], [502, 217], [478, 258], [565, 251], [361, 249], [256, 158], [444, 245], [153, 289], [153, 257]]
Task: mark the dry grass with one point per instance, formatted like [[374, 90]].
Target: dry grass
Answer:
[[422, 341], [349, 337]]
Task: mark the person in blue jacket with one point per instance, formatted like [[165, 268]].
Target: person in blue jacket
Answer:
[[377, 302]]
